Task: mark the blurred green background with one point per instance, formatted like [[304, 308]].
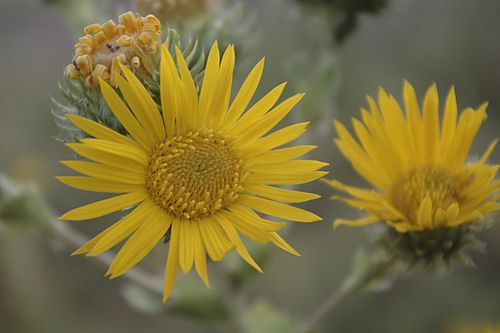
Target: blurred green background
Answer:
[[44, 290]]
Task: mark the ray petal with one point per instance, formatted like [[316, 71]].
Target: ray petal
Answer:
[[281, 194], [278, 209], [124, 116], [99, 131], [245, 93], [98, 185], [172, 266], [104, 207]]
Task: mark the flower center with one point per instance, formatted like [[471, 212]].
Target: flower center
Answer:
[[194, 175], [441, 186]]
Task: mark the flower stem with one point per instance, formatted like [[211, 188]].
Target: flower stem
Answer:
[[136, 274], [352, 284], [75, 238]]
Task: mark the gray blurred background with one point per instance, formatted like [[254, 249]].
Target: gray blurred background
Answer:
[[43, 290]]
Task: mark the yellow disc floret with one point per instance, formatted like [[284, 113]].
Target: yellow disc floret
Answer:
[[442, 187], [194, 175], [99, 53]]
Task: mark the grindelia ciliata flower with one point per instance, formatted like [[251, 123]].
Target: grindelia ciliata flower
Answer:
[[100, 52], [418, 169], [196, 171]]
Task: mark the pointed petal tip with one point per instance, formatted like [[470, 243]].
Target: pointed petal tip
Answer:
[[77, 252], [336, 224], [206, 282], [93, 253]]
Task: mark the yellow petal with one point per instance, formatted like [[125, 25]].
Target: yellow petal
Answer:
[[98, 185], [282, 155], [279, 209], [430, 130], [259, 109], [186, 245], [191, 98], [281, 194], [214, 238], [440, 219], [282, 244], [449, 123], [233, 236], [247, 215], [140, 243], [355, 223], [91, 243], [251, 227], [104, 207], [294, 166], [99, 131], [413, 119], [488, 152], [268, 121], [220, 101], [169, 79], [124, 116], [285, 179], [276, 139], [200, 259], [452, 213], [122, 229], [105, 172], [117, 159], [142, 105], [172, 266], [209, 85], [245, 93], [110, 147], [424, 214]]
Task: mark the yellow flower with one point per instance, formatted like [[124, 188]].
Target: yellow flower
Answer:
[[417, 168], [199, 170], [475, 329], [171, 9], [99, 53]]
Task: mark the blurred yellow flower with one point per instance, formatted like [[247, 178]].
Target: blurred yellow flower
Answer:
[[100, 52], [475, 329], [419, 172], [171, 9], [197, 172]]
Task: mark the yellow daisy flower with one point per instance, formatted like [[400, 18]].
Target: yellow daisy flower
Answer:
[[198, 170], [418, 169], [100, 52]]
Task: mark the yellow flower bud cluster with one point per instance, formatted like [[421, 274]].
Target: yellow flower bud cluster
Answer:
[[99, 53]]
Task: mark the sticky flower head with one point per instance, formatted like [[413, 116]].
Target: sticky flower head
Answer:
[[201, 169], [98, 55], [422, 184], [418, 169]]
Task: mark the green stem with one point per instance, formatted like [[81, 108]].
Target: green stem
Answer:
[[77, 239], [345, 292], [136, 274]]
